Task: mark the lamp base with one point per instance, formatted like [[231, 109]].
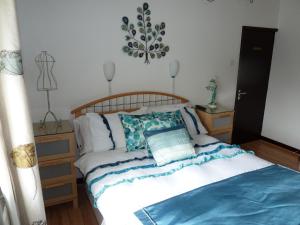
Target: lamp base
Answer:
[[212, 106], [43, 123]]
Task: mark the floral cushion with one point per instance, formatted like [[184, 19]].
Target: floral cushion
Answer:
[[163, 120], [133, 130], [135, 125]]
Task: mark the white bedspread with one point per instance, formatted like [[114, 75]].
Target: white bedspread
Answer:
[[126, 185]]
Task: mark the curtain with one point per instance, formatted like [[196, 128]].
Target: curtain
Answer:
[[4, 217], [19, 175]]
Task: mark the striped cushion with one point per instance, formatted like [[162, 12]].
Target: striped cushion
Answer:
[[169, 144]]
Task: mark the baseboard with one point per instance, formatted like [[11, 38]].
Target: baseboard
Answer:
[[280, 144]]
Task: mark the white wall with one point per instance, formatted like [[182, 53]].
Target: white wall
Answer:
[[282, 114], [81, 35]]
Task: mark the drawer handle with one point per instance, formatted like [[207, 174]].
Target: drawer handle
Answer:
[[56, 185]]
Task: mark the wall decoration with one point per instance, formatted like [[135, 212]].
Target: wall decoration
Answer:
[[148, 43], [46, 81]]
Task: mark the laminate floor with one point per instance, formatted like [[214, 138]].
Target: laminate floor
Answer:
[[274, 153], [65, 214]]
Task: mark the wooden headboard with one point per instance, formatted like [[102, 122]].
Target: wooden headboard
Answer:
[[128, 102]]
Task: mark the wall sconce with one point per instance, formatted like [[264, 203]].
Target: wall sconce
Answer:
[[173, 70], [109, 69]]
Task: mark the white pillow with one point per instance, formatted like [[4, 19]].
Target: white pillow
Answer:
[[82, 134], [194, 127], [101, 138], [190, 117], [116, 127], [92, 134], [78, 138]]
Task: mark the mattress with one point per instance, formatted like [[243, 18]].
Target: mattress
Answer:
[[117, 181]]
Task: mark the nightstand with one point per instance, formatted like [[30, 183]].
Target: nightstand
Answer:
[[218, 122], [55, 148]]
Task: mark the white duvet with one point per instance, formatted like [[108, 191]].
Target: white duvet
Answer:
[[130, 181]]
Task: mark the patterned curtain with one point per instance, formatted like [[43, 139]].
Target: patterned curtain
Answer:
[[19, 175], [4, 217]]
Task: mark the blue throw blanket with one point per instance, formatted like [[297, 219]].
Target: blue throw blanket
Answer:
[[269, 196]]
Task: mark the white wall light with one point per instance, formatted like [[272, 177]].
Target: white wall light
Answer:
[[109, 69], [173, 71]]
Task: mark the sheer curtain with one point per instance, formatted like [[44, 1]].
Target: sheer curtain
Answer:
[[4, 217], [19, 175]]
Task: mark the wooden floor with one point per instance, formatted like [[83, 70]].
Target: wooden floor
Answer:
[[84, 215], [65, 214], [274, 153]]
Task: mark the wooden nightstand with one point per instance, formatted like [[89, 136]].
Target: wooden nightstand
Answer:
[[218, 122], [55, 148]]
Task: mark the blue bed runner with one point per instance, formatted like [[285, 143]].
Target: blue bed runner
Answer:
[[268, 196]]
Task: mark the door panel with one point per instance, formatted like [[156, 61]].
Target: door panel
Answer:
[[252, 85]]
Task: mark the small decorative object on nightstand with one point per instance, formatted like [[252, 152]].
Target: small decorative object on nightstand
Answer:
[[218, 122], [212, 88], [55, 148]]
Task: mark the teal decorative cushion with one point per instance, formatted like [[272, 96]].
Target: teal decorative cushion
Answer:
[[135, 125], [133, 130], [163, 120], [169, 144]]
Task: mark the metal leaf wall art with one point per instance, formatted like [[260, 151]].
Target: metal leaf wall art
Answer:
[[143, 40]]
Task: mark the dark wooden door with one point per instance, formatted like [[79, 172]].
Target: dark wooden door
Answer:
[[252, 84]]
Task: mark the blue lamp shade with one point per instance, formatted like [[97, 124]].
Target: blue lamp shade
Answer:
[[109, 69], [174, 68]]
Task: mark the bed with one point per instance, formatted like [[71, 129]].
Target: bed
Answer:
[[220, 184]]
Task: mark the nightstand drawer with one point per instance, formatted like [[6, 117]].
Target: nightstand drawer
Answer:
[[57, 191], [58, 169], [60, 192], [223, 136], [222, 122], [54, 146], [218, 122]]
